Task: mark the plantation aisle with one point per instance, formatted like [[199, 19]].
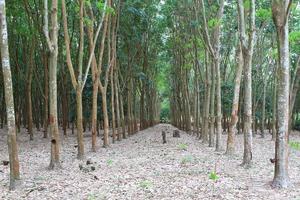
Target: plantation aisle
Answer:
[[141, 167]]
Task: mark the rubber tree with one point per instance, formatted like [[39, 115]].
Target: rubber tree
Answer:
[[247, 43], [230, 148], [213, 46], [52, 42], [9, 101], [280, 11]]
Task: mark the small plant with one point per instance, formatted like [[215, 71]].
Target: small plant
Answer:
[[109, 162], [183, 146], [295, 145], [213, 176], [187, 159], [92, 197], [145, 184]]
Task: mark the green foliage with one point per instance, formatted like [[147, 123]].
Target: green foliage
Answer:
[[213, 176], [146, 184], [295, 145], [187, 159], [109, 162], [212, 23], [297, 123], [264, 14], [100, 6], [247, 4], [87, 21], [92, 197], [182, 146], [294, 37]]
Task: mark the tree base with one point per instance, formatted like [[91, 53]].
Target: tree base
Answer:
[[246, 165], [54, 165], [230, 152], [15, 184], [281, 183]]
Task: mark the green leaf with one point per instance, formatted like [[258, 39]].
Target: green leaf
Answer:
[[213, 176], [213, 23], [247, 4], [264, 14]]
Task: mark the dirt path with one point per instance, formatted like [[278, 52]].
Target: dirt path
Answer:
[[141, 167]]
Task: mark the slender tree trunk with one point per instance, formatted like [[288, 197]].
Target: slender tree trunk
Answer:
[[9, 101], [235, 105], [280, 10], [274, 107], [53, 47], [114, 134], [123, 118], [64, 104], [263, 118], [105, 118], [247, 50], [79, 120], [28, 92], [94, 114], [117, 106], [212, 108], [207, 101], [46, 100]]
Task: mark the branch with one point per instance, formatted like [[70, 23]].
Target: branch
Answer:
[[46, 27], [287, 11], [241, 23], [67, 44], [252, 24], [93, 47], [207, 38]]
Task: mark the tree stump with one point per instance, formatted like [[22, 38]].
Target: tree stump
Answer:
[[176, 134]]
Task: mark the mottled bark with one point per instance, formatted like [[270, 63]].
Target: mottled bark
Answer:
[[247, 51], [9, 101], [53, 48], [280, 11], [235, 105]]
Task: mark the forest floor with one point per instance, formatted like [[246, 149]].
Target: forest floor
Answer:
[[141, 167]]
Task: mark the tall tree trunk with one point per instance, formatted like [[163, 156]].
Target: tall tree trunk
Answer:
[[247, 50], [212, 108], [53, 47], [280, 10], [263, 118], [105, 118], [28, 92], [235, 105], [114, 134], [46, 93], [117, 106], [79, 120], [274, 105], [207, 101], [9, 101]]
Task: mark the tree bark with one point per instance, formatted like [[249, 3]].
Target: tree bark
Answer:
[[53, 47], [280, 11], [9, 101], [230, 150], [247, 50]]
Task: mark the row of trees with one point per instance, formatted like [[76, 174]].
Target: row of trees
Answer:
[[233, 60], [79, 56]]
